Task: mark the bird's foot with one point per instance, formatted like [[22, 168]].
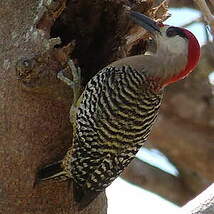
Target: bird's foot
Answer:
[[75, 84]]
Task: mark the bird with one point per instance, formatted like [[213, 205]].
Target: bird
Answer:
[[114, 115]]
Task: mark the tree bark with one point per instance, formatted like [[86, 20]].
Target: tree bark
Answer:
[[202, 204], [35, 128]]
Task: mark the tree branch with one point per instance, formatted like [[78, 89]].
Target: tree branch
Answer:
[[202, 204], [189, 4], [181, 3], [154, 179], [206, 13], [211, 2], [192, 22]]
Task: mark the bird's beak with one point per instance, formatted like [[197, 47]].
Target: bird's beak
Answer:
[[144, 21]]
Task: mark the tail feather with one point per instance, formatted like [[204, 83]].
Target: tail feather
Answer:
[[87, 199], [84, 197], [55, 171], [51, 171]]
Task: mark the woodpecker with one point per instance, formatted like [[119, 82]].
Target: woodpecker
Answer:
[[114, 115]]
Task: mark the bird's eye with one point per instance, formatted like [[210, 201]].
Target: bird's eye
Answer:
[[172, 31]]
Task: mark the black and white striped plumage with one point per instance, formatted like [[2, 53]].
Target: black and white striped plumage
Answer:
[[118, 108], [115, 116], [114, 119]]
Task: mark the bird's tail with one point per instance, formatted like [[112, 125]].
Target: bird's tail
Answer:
[[51, 171], [55, 171], [83, 197]]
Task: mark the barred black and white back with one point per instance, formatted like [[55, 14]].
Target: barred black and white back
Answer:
[[118, 108], [114, 119], [115, 116]]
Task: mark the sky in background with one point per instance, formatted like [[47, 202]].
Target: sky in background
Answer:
[[129, 199]]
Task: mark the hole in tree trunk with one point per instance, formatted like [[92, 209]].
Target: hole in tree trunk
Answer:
[[98, 29]]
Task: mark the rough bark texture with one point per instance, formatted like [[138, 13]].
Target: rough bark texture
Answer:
[[34, 124], [35, 128]]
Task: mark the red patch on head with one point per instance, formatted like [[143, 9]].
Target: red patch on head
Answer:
[[193, 58]]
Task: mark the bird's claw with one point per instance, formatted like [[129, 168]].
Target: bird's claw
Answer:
[[76, 73], [76, 82]]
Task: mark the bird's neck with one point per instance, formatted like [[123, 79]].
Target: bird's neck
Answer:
[[165, 66]]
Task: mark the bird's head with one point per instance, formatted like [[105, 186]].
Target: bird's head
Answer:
[[175, 46]]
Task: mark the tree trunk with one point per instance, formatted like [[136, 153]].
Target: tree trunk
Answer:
[[35, 128]]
